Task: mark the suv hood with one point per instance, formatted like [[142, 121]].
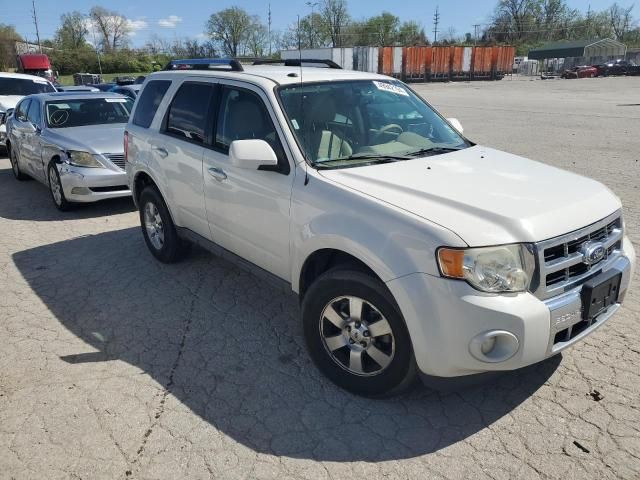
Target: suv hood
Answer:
[[106, 138], [486, 196], [9, 101]]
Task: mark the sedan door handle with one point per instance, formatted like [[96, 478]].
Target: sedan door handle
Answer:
[[161, 151], [217, 173]]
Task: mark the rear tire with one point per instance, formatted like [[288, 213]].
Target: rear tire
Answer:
[[356, 335], [158, 229], [15, 166]]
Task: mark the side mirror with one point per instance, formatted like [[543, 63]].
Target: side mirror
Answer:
[[252, 154], [455, 123]]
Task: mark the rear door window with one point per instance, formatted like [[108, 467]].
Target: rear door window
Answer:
[[149, 102], [189, 112]]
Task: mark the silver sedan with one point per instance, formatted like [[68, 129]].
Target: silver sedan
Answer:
[[73, 143]]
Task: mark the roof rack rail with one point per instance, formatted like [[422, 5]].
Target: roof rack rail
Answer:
[[297, 62], [230, 64]]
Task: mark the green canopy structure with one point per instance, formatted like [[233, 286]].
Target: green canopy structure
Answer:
[[606, 47]]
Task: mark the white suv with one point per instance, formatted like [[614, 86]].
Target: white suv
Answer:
[[413, 250]]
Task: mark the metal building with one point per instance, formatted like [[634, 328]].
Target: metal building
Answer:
[[567, 54]]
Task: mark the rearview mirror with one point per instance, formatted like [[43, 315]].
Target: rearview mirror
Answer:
[[252, 154], [455, 123]]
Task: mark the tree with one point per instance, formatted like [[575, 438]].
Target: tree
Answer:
[[112, 27], [8, 39], [230, 28], [382, 29], [411, 33], [257, 38], [621, 20], [73, 31], [335, 17]]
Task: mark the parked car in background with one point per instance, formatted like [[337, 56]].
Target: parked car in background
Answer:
[[412, 249], [124, 80], [13, 87], [104, 87], [582, 71], [86, 78], [140, 79], [71, 142], [77, 88], [130, 91], [618, 67]]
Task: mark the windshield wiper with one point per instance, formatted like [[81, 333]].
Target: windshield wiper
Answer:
[[367, 159], [435, 150]]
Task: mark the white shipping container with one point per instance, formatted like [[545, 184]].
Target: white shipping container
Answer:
[[308, 53], [343, 57], [466, 59], [397, 61]]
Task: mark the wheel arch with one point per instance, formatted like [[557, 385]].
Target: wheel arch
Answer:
[[143, 179]]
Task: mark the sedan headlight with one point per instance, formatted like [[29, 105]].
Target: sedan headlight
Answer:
[[83, 159], [504, 268]]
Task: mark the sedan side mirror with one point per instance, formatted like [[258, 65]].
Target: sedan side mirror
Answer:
[[455, 123], [252, 154]]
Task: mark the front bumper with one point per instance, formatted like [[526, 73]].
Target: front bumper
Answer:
[[448, 322], [84, 185]]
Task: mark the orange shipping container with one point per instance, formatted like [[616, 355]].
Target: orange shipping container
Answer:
[[456, 59], [503, 58], [385, 60], [481, 60], [440, 62], [416, 62]]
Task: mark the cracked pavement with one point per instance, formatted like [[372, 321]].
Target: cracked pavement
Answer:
[[113, 365]]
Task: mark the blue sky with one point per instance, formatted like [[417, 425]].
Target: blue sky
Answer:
[[187, 18]]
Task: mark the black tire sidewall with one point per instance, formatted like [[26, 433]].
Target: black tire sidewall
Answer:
[[169, 252], [13, 157], [64, 204], [399, 374]]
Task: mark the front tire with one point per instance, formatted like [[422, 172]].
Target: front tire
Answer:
[[158, 229], [56, 190], [356, 335], [15, 166]]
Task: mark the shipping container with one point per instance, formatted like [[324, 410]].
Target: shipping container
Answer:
[[365, 59], [481, 63], [440, 63], [385, 60], [307, 53], [502, 60], [457, 70], [416, 63], [343, 57], [397, 62]]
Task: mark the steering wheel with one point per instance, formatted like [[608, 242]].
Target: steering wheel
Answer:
[[386, 129]]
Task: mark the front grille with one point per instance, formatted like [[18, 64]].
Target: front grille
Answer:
[[116, 158], [561, 259]]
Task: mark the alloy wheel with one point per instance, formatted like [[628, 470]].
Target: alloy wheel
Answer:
[[54, 184], [357, 336], [153, 225]]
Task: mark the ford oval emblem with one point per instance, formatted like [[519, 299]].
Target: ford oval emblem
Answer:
[[592, 252]]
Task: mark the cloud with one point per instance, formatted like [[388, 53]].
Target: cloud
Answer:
[[135, 25], [170, 22]]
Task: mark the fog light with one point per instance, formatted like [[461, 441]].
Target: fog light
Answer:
[[80, 191], [494, 346]]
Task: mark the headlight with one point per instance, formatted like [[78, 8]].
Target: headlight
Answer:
[[83, 159], [505, 268]]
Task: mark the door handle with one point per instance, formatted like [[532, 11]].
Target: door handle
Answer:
[[161, 151], [217, 173]]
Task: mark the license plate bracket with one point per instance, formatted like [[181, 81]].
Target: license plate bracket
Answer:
[[599, 293]]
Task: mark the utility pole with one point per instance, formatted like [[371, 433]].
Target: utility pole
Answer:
[[269, 22], [475, 33], [436, 21], [35, 22], [313, 27]]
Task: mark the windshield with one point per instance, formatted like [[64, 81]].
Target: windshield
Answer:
[[23, 86], [65, 113], [343, 124]]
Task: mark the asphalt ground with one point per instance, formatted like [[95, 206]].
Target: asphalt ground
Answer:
[[115, 366]]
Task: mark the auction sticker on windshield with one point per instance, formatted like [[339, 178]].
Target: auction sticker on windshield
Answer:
[[115, 100], [387, 87]]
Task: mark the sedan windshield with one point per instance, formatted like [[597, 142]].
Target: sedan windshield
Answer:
[[23, 86], [65, 113], [342, 124]]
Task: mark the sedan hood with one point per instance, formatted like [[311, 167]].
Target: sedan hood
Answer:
[[9, 101], [485, 196], [91, 138]]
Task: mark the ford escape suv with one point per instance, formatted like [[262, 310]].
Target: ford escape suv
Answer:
[[413, 250]]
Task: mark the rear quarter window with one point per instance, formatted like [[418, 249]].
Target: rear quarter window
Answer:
[[149, 101]]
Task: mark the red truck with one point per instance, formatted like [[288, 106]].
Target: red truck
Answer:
[[35, 64]]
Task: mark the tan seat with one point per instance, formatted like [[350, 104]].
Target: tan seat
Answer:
[[321, 142]]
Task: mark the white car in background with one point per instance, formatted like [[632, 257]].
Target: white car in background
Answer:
[[412, 249], [13, 87]]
